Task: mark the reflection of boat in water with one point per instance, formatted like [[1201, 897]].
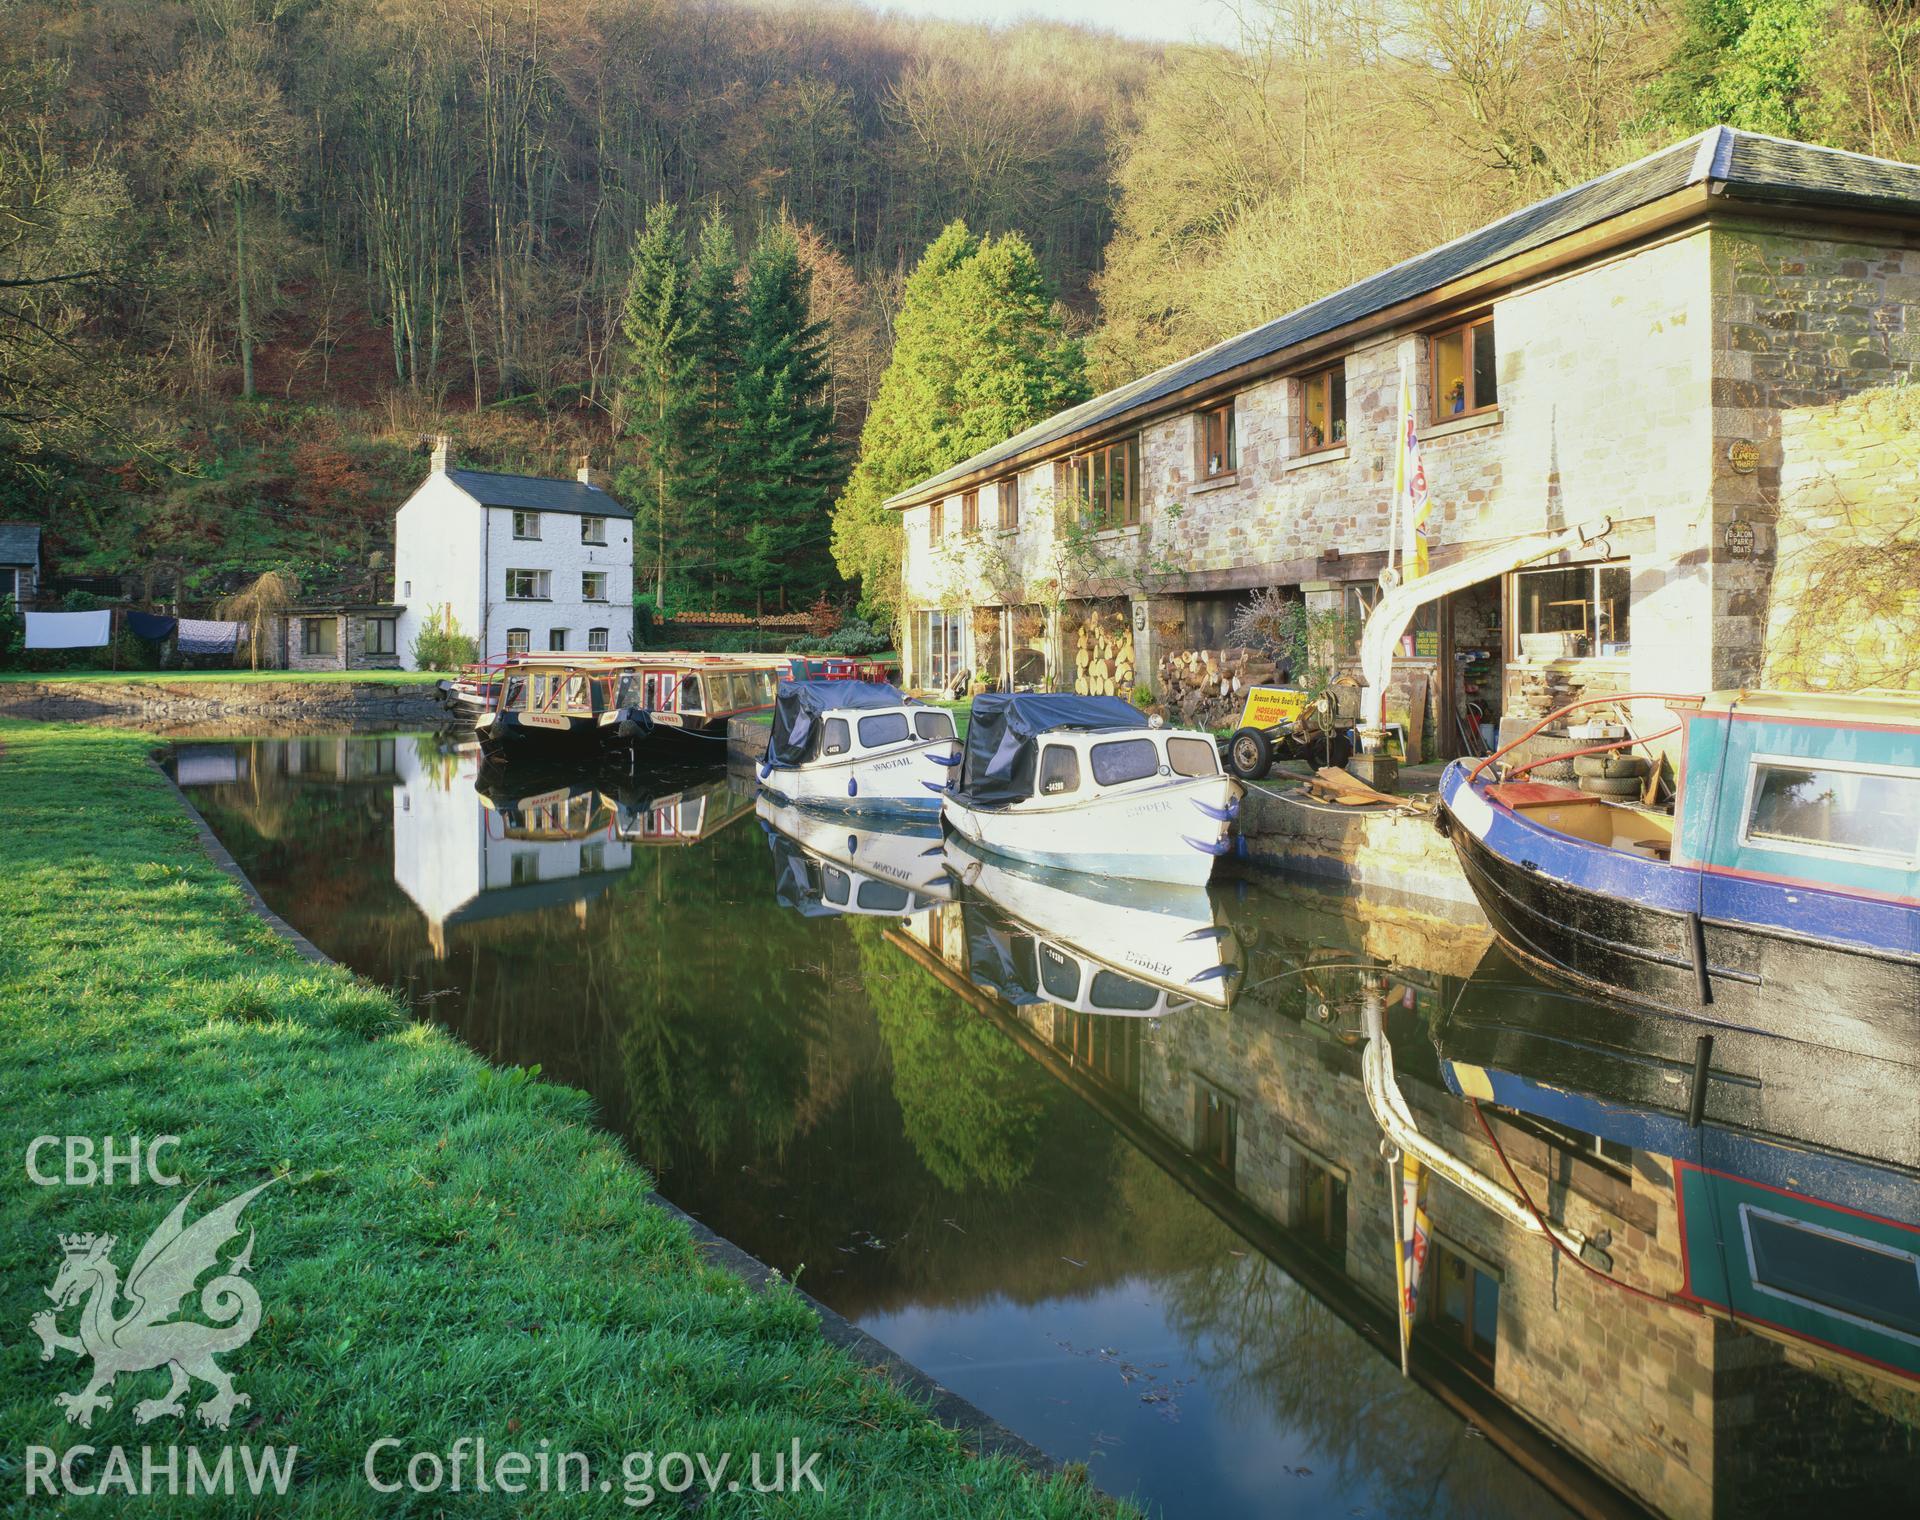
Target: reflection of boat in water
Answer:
[[1784, 895], [1085, 783], [1797, 1192], [674, 807], [828, 865], [1095, 944]]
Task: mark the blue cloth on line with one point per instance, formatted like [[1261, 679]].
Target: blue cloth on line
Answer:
[[149, 625]]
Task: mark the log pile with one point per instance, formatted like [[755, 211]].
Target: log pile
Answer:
[[1205, 688], [1103, 657]]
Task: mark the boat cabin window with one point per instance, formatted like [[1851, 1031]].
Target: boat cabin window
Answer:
[[689, 694], [835, 737], [1121, 994], [1059, 770], [883, 897], [883, 728], [1059, 975], [1827, 809], [1121, 760], [577, 692], [1193, 757], [837, 887], [1825, 1269], [515, 695], [933, 723]]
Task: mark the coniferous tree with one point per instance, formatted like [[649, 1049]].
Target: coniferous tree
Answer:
[[713, 465], [656, 394], [980, 353], [791, 463]]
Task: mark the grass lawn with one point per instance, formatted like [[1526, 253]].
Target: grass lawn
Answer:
[[245, 677], [446, 1250]]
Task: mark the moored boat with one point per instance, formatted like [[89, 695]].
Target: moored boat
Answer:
[[671, 694], [1093, 943], [826, 865], [544, 708], [857, 746], [1782, 895], [1088, 784]]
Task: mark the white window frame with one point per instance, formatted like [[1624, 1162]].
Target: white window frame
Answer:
[[593, 530], [543, 584], [526, 524], [1593, 567], [587, 578], [597, 641], [1748, 840], [525, 637], [1860, 1242]]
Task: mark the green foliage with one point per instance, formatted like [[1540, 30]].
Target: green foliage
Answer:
[[657, 392], [856, 636], [1141, 696], [1748, 63], [440, 645], [980, 352]]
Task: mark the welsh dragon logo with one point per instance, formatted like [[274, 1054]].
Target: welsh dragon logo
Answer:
[[146, 1335]]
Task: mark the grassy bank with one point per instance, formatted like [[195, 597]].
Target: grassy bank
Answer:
[[447, 1250], [241, 677]]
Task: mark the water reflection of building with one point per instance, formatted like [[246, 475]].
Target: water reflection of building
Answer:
[[1613, 1401], [464, 857]]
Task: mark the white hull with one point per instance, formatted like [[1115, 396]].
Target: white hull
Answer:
[[1148, 832], [1162, 935], [886, 781]]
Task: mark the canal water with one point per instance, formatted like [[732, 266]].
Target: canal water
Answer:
[[1101, 1159]]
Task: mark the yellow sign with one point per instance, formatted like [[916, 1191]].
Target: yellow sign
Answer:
[[543, 720], [1270, 706]]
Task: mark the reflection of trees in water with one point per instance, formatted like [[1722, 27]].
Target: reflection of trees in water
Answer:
[[970, 1102]]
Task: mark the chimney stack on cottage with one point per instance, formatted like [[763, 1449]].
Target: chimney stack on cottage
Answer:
[[441, 444], [587, 475]]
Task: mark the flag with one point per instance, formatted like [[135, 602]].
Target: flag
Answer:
[[1410, 1246], [1410, 489]]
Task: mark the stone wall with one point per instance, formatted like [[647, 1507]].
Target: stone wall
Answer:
[[1844, 611], [171, 704]]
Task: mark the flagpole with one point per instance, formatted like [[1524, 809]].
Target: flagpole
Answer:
[[1390, 1153]]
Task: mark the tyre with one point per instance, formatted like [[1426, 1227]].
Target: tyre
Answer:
[[1615, 766], [1250, 754], [1323, 750], [1612, 786]]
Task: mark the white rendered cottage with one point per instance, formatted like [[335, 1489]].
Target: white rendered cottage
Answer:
[[521, 564]]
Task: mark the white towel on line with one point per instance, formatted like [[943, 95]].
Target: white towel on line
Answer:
[[69, 630]]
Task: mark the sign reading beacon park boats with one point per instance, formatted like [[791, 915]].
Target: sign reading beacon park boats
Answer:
[[1270, 706]]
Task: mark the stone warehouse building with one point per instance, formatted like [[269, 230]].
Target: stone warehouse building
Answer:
[[1631, 349]]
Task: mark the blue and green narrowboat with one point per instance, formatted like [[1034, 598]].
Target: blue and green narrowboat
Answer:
[[1781, 895]]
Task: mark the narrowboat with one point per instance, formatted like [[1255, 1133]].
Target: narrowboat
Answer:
[[1095, 944], [1795, 1181], [1781, 895], [881, 867], [675, 694], [545, 709], [856, 746], [1089, 784]]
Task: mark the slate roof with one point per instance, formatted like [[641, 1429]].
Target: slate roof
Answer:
[[1746, 166], [19, 543], [533, 493]]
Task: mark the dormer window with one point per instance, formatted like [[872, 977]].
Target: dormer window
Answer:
[[526, 525]]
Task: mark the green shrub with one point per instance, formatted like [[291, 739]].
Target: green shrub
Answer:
[[856, 636], [440, 645], [1142, 696]]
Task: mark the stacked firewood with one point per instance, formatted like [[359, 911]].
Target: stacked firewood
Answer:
[[1103, 657], [1209, 686]]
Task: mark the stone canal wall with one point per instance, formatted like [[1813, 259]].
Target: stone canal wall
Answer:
[[175, 704], [1390, 855]]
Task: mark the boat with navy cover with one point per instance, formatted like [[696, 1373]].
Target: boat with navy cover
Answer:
[[856, 746], [1096, 944], [828, 865], [1089, 784], [1783, 893]]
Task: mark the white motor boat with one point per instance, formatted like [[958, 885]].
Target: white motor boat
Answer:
[[827, 865], [1087, 784], [1092, 943], [857, 746]]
